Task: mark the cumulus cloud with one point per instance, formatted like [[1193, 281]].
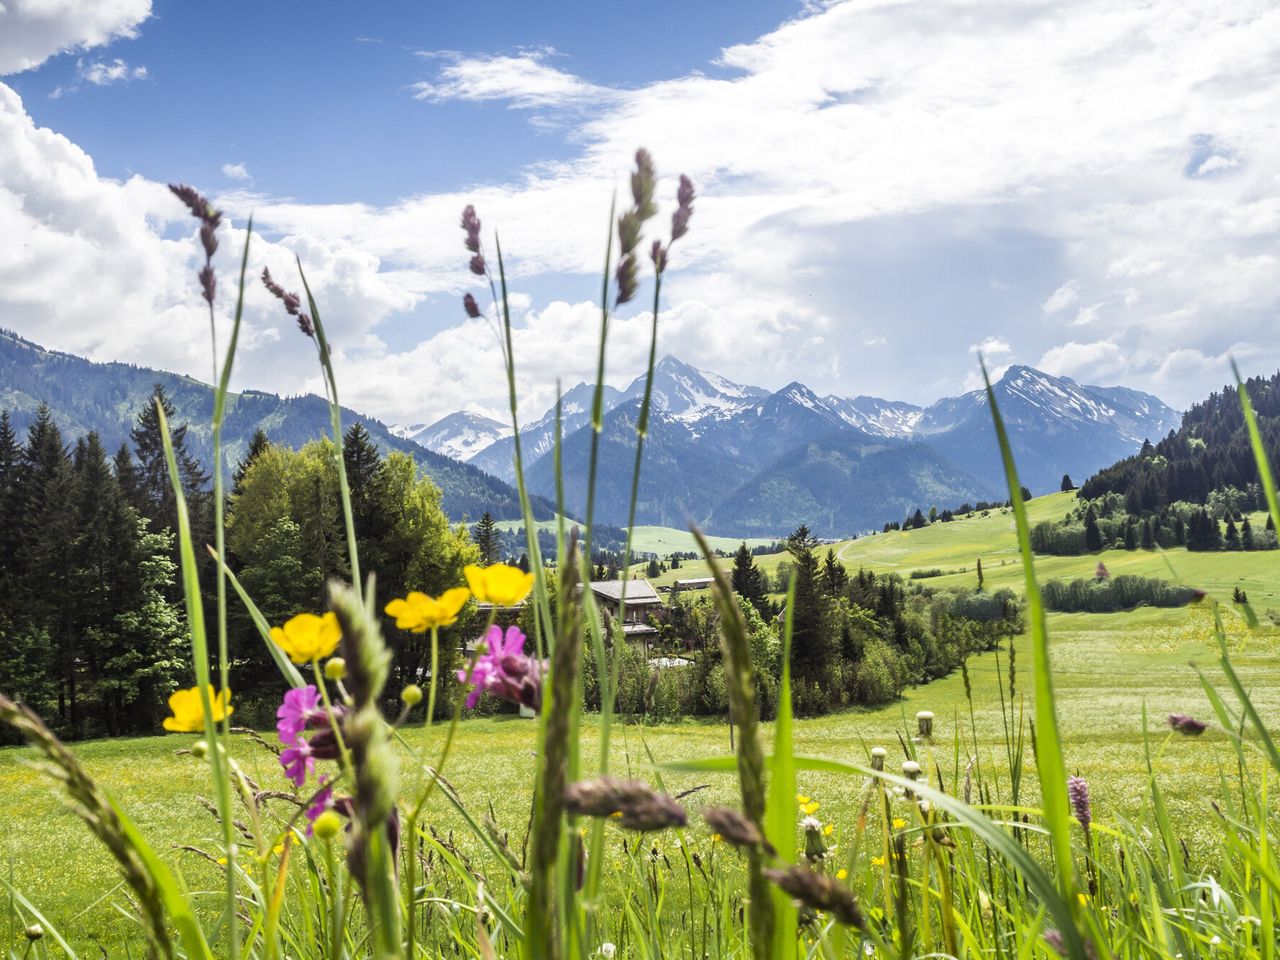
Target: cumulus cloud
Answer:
[[101, 73], [32, 31], [1098, 166], [235, 171]]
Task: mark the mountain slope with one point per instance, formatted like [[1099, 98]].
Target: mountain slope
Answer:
[[105, 398], [841, 483]]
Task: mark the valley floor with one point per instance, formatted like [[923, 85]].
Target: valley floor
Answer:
[[1107, 667]]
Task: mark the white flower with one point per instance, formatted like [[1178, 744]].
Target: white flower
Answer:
[[608, 951], [811, 823]]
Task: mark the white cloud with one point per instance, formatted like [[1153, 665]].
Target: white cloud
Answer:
[[526, 80], [235, 171], [1091, 362], [992, 348], [1063, 297], [31, 31], [871, 114], [1216, 164], [1086, 315], [101, 73]]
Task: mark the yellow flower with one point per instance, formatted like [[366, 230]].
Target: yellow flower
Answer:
[[306, 637], [801, 799], [877, 861], [188, 711], [716, 838], [829, 829], [1083, 898], [842, 874], [499, 584], [221, 861], [810, 808], [419, 613], [898, 823]]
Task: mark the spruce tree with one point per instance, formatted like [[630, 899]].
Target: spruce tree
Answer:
[[1067, 485], [258, 443], [1246, 535], [485, 535], [835, 579], [746, 579], [1092, 535], [1233, 535], [808, 647]]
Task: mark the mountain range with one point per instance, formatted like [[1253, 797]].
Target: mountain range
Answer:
[[105, 398], [744, 461]]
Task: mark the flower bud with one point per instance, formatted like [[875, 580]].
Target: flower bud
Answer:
[[327, 825], [924, 722], [335, 668], [34, 932], [200, 749], [411, 695]]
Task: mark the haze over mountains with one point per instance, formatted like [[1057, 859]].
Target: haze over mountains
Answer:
[[742, 460], [739, 460]]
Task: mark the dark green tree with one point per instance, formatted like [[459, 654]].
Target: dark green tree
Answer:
[[258, 443], [1246, 535], [747, 580], [485, 535], [1067, 485], [835, 578], [809, 653], [1092, 535]]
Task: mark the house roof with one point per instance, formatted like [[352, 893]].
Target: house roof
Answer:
[[639, 592]]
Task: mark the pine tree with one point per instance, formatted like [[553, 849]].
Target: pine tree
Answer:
[[1148, 535], [154, 490], [747, 580], [808, 646], [1246, 535], [258, 443], [980, 578], [835, 579], [1131, 536], [652, 569], [1067, 485], [485, 535], [1233, 535], [523, 562], [1092, 535]]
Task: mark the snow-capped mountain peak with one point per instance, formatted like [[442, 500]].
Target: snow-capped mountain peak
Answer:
[[690, 394], [460, 435]]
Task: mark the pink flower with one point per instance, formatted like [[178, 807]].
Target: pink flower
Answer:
[[298, 762], [503, 669], [323, 802], [300, 707]]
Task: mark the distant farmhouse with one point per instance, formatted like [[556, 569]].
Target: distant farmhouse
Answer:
[[641, 601]]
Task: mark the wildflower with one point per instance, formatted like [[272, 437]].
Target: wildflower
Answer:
[[1053, 939], [630, 223], [299, 707], [188, 710], [608, 951], [842, 874], [471, 224], [810, 808], [469, 304], [877, 757], [298, 761], [637, 805], [801, 799], [684, 208], [34, 932], [1078, 793], [1188, 726], [815, 848], [736, 828], [322, 805], [898, 823], [819, 892], [504, 670], [306, 637], [419, 613], [336, 668], [829, 829], [411, 695], [877, 861], [1101, 573], [292, 304], [498, 584]]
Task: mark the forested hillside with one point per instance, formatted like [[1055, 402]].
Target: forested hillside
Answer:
[[105, 398]]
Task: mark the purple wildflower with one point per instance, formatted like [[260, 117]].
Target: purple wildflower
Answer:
[[298, 761], [684, 208], [503, 669], [473, 309], [299, 707], [1188, 726], [1101, 573], [471, 224], [323, 802], [1078, 794]]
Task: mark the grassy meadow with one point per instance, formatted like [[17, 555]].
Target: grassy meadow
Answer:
[[1108, 666]]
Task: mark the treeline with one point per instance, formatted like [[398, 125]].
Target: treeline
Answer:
[[857, 639], [92, 623], [1111, 594], [1105, 524], [919, 520], [92, 634], [1210, 451]]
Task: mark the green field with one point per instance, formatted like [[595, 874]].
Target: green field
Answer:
[[1108, 668], [660, 540]]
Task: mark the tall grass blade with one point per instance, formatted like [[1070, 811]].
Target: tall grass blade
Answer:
[[780, 826]]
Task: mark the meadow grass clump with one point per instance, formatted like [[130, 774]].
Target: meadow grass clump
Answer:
[[349, 836]]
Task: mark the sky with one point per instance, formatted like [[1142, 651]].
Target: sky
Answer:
[[885, 189]]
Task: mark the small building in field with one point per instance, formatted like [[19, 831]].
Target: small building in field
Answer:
[[641, 601], [693, 583]]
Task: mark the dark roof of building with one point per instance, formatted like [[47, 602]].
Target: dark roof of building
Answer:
[[638, 591]]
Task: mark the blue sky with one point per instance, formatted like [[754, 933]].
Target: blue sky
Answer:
[[885, 186]]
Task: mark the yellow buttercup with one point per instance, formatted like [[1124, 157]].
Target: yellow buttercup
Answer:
[[419, 613], [306, 637], [499, 584], [188, 711]]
